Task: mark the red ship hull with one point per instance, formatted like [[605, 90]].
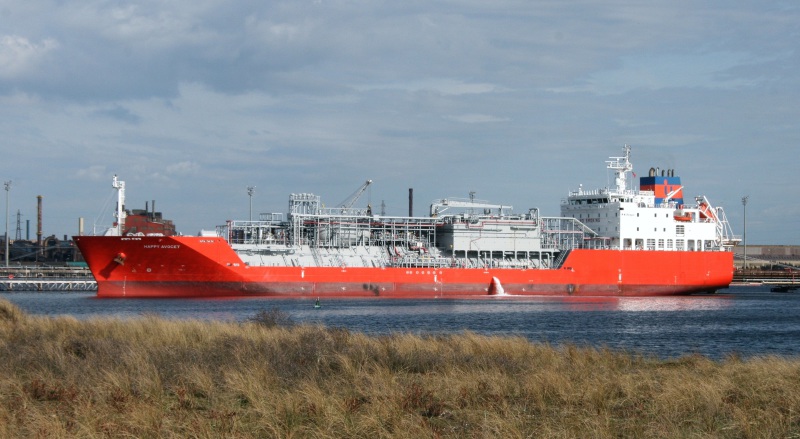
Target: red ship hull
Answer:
[[180, 266]]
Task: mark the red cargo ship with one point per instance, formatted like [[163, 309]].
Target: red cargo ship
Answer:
[[607, 242]]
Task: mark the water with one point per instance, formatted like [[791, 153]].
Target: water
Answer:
[[746, 321]]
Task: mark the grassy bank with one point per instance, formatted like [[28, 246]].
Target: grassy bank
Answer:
[[151, 377]]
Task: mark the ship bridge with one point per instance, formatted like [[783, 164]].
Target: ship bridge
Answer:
[[655, 217]]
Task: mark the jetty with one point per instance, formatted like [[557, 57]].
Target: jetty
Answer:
[[779, 281], [46, 278]]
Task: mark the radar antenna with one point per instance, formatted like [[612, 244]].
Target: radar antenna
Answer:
[[621, 166]]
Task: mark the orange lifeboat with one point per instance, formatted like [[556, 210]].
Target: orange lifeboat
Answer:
[[707, 212], [682, 216]]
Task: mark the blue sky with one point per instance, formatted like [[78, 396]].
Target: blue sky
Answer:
[[519, 101]]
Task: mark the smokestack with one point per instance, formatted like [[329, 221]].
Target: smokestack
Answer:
[[411, 201], [39, 223], [80, 226]]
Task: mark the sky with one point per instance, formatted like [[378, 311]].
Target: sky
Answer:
[[191, 102]]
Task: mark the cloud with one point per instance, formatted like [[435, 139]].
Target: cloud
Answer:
[[476, 118], [183, 168], [119, 113], [95, 173], [19, 56], [442, 86], [303, 95]]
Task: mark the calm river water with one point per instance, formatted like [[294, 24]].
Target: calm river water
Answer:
[[746, 321]]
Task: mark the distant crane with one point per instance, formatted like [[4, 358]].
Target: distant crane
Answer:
[[349, 201]]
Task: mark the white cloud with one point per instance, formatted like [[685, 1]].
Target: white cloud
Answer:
[[183, 168], [20, 57], [95, 173]]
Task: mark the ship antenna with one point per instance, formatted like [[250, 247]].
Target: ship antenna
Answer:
[[621, 166]]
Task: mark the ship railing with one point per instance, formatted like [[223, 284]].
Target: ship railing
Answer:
[[561, 233], [345, 212], [271, 217], [420, 262], [607, 191], [253, 232], [346, 230], [581, 191], [668, 205]]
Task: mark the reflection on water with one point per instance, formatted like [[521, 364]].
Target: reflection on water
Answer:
[[748, 321], [680, 303]]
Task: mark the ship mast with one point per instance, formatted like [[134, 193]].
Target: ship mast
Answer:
[[621, 166], [120, 214]]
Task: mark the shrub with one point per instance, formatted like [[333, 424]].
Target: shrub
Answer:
[[272, 318]]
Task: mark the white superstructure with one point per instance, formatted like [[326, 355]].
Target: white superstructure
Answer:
[[120, 214], [647, 219]]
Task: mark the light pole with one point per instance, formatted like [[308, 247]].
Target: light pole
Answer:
[[250, 191], [744, 233], [8, 188]]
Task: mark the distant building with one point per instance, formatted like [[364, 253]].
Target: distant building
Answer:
[[52, 250], [761, 255]]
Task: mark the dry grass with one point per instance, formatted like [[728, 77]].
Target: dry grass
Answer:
[[149, 377]]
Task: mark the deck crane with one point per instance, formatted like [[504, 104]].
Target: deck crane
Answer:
[[672, 194], [349, 201]]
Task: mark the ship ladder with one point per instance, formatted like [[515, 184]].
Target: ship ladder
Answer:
[[560, 259]]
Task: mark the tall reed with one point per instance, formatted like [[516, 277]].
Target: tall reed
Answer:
[[151, 377]]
